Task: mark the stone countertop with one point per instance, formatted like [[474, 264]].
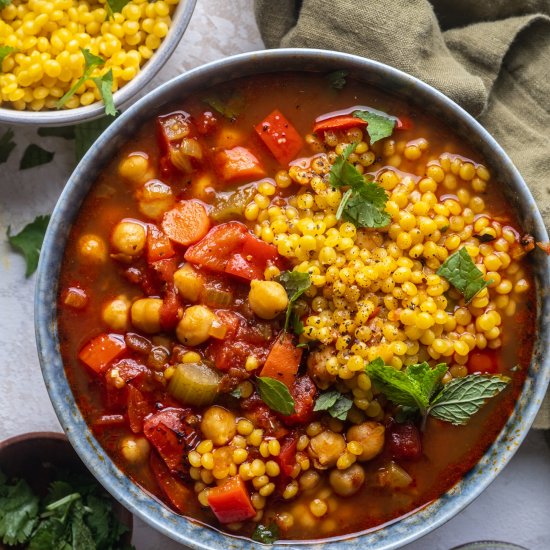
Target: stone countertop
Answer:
[[514, 508]]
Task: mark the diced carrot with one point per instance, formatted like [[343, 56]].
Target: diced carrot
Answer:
[[283, 361], [176, 492], [238, 164], [280, 137], [187, 223], [230, 502], [159, 246], [342, 122], [101, 350]]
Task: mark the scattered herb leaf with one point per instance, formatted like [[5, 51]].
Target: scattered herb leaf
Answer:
[[33, 156], [237, 392], [104, 84], [18, 511], [337, 79], [485, 238], [344, 173], [115, 6], [295, 284], [7, 145], [4, 50], [380, 125], [461, 398], [223, 108], [343, 203], [275, 395], [65, 132], [29, 242], [87, 133], [296, 323], [460, 270], [4, 3], [335, 403], [444, 229], [266, 534]]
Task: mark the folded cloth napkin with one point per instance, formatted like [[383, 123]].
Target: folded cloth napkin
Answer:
[[492, 58]]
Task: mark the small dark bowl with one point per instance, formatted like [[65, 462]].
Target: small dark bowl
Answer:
[[36, 456]]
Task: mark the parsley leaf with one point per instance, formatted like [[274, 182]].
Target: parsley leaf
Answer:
[[18, 511], [275, 395], [115, 6], [33, 156], [295, 284], [4, 50], [7, 145], [104, 84], [460, 270], [29, 242], [266, 534], [380, 125], [461, 398], [336, 404], [337, 79]]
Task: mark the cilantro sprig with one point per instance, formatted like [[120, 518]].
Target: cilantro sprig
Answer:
[[418, 389], [364, 203], [380, 125], [295, 284]]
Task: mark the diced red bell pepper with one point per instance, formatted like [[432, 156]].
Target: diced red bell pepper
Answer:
[[287, 455], [206, 123], [240, 266], [165, 269], [283, 361], [260, 251], [99, 352], [303, 392], [214, 250], [159, 246], [138, 409], [280, 137], [238, 164], [230, 502], [342, 122], [174, 490], [251, 261], [403, 441]]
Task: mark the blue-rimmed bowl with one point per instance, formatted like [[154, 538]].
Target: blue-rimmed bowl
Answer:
[[63, 117], [408, 88]]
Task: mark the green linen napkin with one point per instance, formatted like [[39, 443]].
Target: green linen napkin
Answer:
[[493, 58]]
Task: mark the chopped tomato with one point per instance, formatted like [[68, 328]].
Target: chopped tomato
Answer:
[[283, 360], [403, 441], [260, 251], [170, 310], [303, 392], [159, 246], [186, 223], [215, 249], [138, 409], [280, 137], [102, 350], [130, 369], [206, 123], [238, 164], [342, 122], [240, 266], [287, 454], [165, 269], [484, 361], [263, 417], [230, 502], [251, 261], [175, 490]]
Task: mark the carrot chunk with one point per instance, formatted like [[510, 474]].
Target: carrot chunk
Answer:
[[187, 223], [102, 350], [283, 361], [230, 502], [238, 164], [280, 137]]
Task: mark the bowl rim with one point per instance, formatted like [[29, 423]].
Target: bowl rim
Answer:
[[393, 535], [66, 117]]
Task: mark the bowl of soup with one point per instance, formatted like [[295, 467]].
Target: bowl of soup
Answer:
[[294, 297]]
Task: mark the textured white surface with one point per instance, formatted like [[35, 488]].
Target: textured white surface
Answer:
[[514, 508]]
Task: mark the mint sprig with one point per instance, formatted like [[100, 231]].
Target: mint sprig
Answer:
[[275, 395], [335, 403]]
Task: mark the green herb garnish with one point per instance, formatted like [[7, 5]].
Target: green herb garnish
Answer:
[[224, 108], [266, 534], [460, 270], [237, 392], [4, 50], [104, 84], [380, 125], [87, 133], [115, 6], [7, 145], [485, 238], [295, 284], [33, 156], [29, 242], [337, 79], [65, 132], [4, 3], [335, 403], [275, 395]]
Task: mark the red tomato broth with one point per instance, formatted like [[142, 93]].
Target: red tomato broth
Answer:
[[448, 451]]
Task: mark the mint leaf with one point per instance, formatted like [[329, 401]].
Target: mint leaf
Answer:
[[18, 512], [4, 50], [380, 125], [295, 284], [460, 270], [337, 79], [428, 378], [33, 156], [29, 242], [326, 400], [335, 403], [366, 207], [275, 395], [7, 145], [266, 534], [461, 398]]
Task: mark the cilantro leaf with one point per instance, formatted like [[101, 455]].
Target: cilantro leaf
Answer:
[[4, 50], [33, 156], [115, 6], [29, 242], [344, 173], [7, 145], [50, 533], [267, 534], [461, 398], [345, 198], [87, 133], [366, 207], [295, 284], [460, 270], [380, 125], [275, 395], [18, 512], [335, 403], [337, 79], [104, 84], [65, 132], [81, 534]]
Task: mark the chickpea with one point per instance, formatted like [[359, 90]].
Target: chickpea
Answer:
[[155, 198], [371, 436], [189, 282], [347, 482], [194, 327], [317, 367], [219, 425], [116, 313], [135, 449], [325, 449], [145, 314], [129, 238], [267, 298], [92, 249], [136, 168]]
